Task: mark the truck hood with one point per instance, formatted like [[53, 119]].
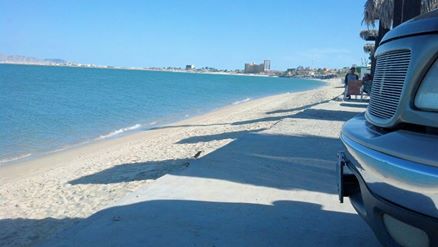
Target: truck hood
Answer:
[[423, 24]]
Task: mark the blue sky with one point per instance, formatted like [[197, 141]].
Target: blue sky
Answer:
[[221, 34]]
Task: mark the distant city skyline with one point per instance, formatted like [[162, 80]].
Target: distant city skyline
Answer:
[[156, 34]]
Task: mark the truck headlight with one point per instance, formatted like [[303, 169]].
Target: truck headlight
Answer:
[[427, 95]]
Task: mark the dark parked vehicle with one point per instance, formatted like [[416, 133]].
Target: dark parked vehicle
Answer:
[[389, 169]]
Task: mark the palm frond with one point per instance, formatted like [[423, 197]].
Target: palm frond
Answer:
[[370, 13], [369, 34], [369, 48], [428, 5], [385, 10], [381, 10]]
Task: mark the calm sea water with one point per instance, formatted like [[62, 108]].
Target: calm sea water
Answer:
[[43, 109]]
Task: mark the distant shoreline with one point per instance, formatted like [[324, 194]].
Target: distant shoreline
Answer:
[[165, 70], [143, 69]]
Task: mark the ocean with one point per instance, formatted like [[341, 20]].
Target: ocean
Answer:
[[44, 109]]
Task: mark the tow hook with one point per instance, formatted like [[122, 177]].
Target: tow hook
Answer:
[[347, 182]]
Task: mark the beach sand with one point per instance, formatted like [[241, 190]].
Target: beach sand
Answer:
[[42, 197]]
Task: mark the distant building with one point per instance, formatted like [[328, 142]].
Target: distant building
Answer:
[[291, 72], [190, 67], [253, 68], [267, 65]]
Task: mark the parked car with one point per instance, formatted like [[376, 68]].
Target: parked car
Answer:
[[389, 169]]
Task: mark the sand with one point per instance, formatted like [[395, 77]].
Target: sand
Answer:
[[41, 198]]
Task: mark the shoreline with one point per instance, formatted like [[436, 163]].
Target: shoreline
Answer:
[[19, 167], [129, 130]]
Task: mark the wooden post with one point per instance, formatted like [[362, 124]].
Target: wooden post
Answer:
[[405, 10], [398, 12], [411, 9]]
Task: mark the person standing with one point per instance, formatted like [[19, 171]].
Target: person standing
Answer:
[[350, 76]]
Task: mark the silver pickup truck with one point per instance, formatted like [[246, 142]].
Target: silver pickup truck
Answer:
[[389, 169]]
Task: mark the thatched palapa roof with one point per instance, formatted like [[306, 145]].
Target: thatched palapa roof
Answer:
[[369, 34], [383, 11], [428, 5], [369, 48], [370, 13]]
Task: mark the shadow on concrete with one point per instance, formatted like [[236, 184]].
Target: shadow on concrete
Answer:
[[311, 113], [277, 161], [365, 105], [197, 223], [217, 137], [326, 115], [358, 99]]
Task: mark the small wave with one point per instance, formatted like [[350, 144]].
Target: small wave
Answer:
[[241, 101], [153, 123], [119, 131], [15, 158]]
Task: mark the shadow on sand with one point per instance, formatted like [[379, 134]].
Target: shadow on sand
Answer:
[[251, 121], [31, 231], [301, 107], [133, 172]]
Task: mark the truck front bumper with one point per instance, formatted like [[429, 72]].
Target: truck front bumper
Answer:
[[396, 196]]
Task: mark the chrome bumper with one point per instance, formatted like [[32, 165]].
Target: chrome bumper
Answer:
[[407, 183], [392, 224]]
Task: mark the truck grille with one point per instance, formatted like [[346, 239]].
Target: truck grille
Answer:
[[389, 77]]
